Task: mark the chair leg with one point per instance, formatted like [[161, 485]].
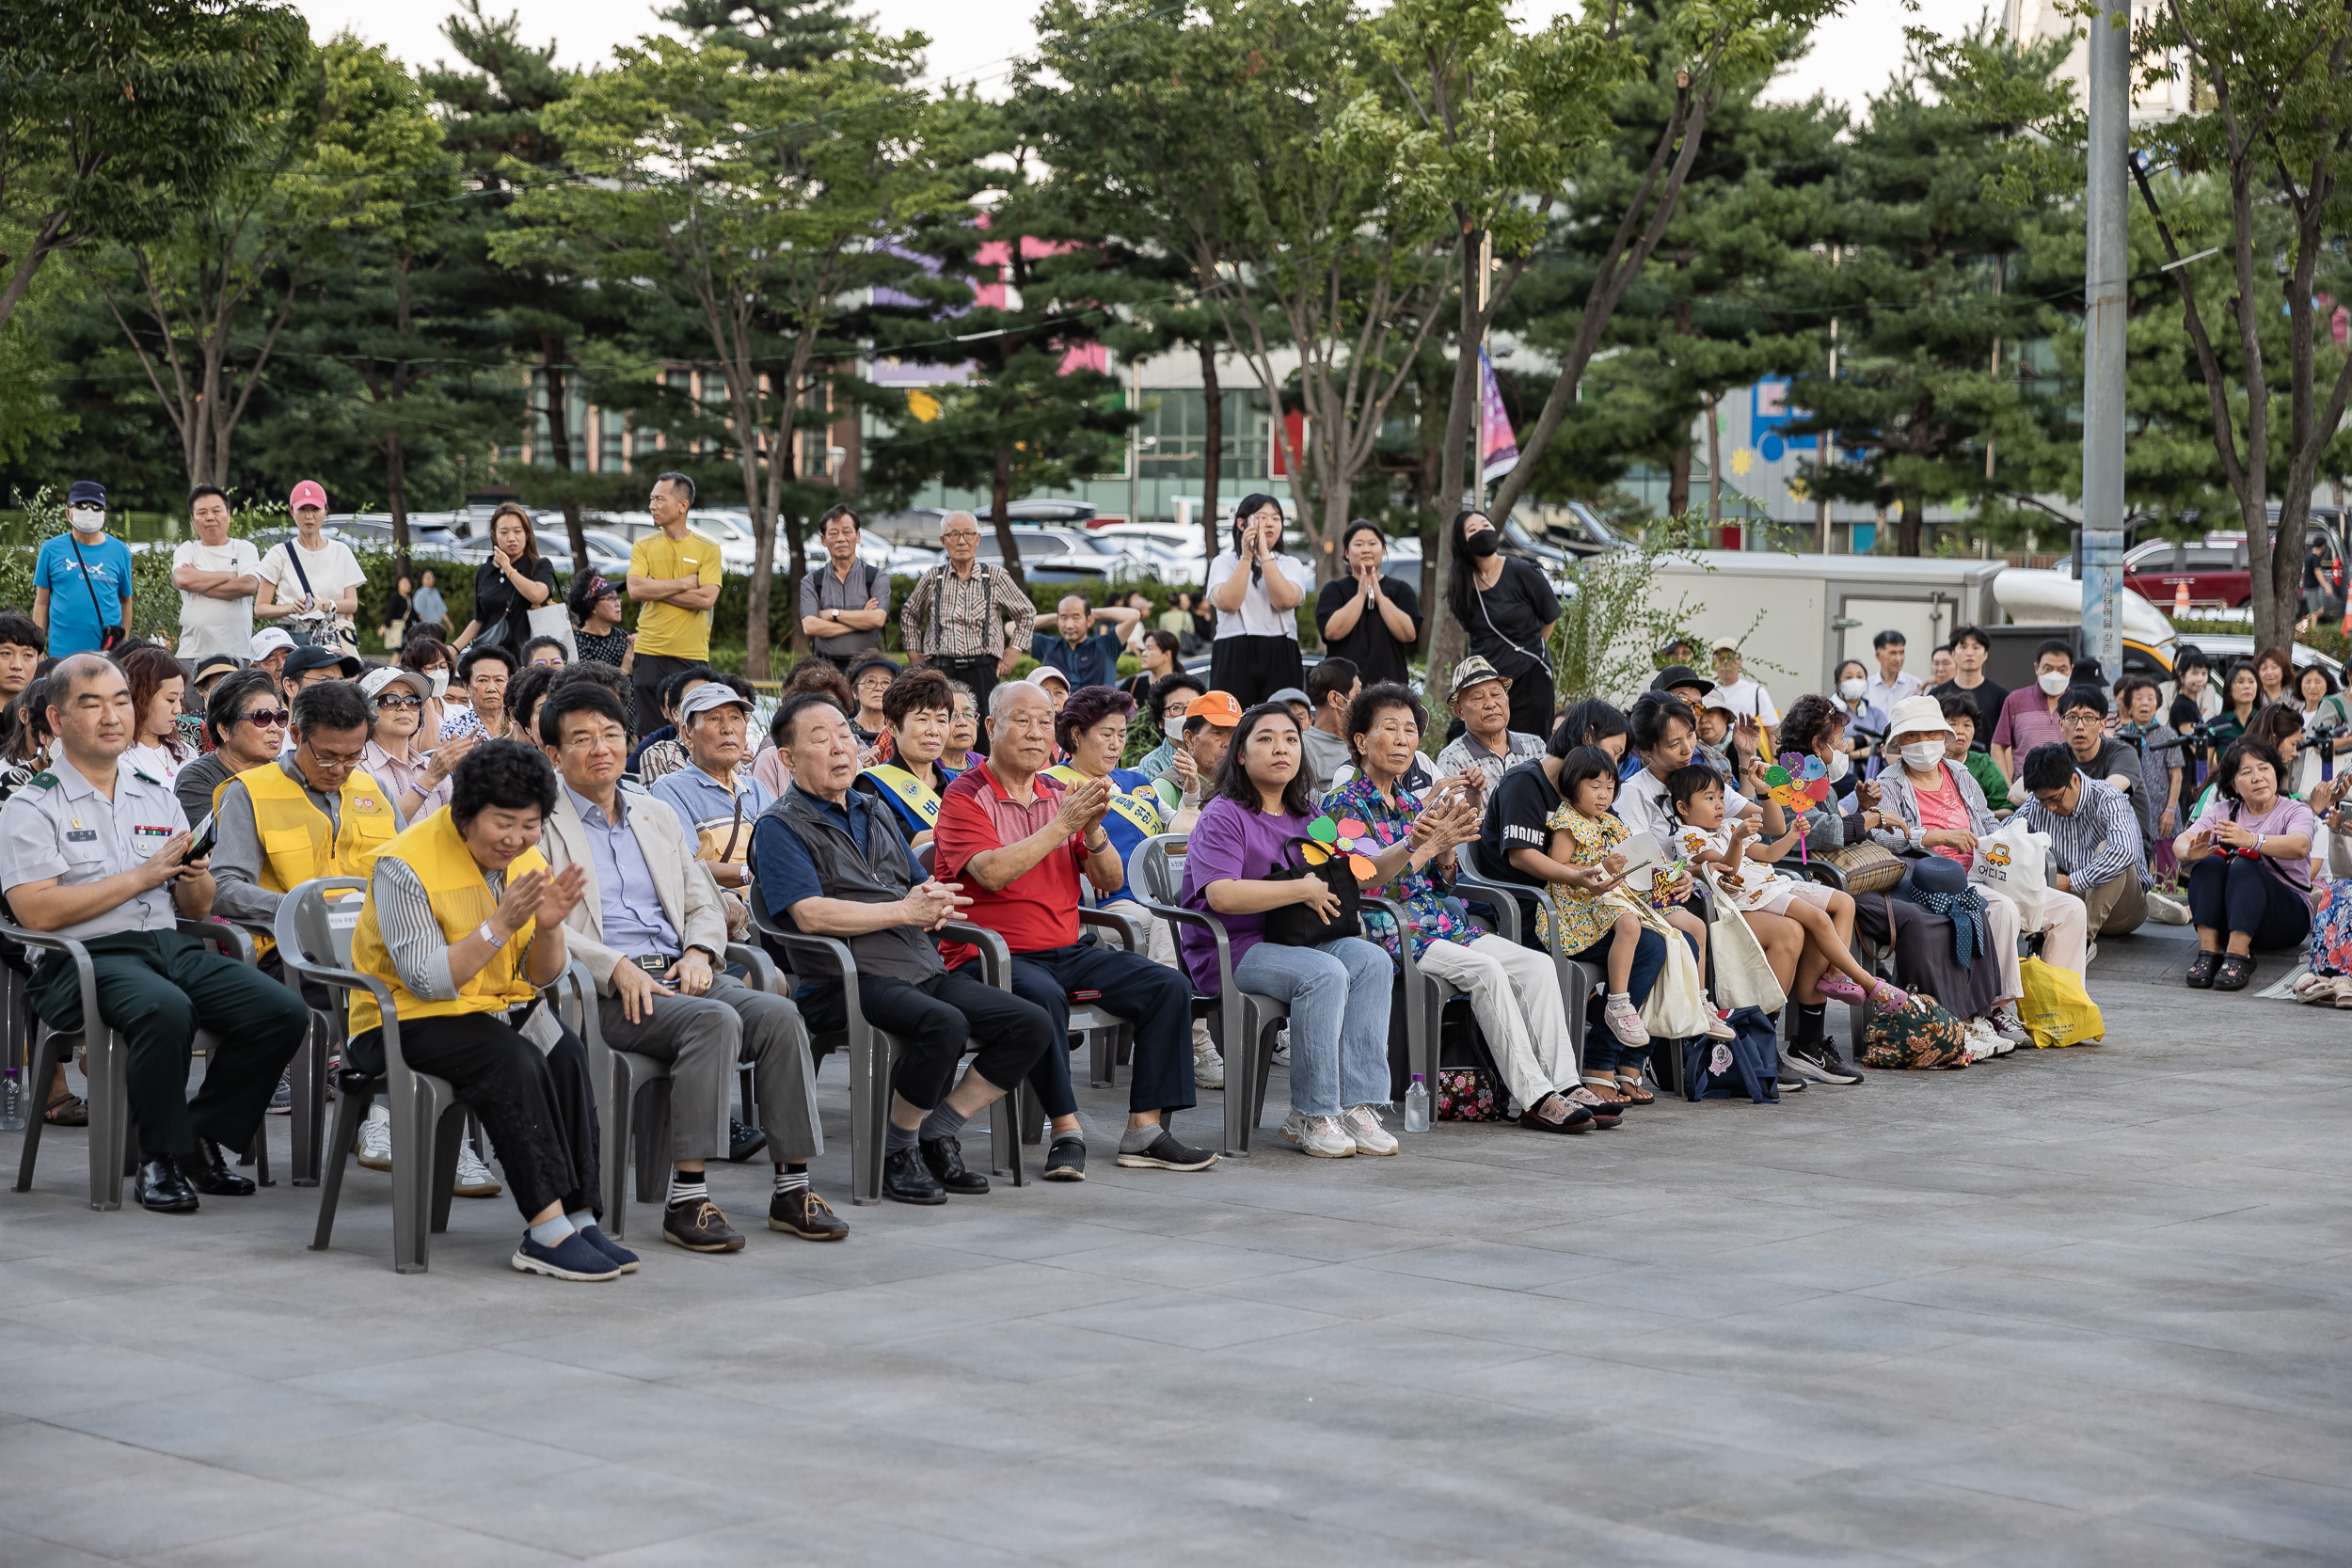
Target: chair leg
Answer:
[[1004, 1137], [449, 1132], [425, 1129], [351, 1109], [750, 1094], [869, 1114], [306, 1127], [650, 1124], [612, 1152], [46, 1054], [1262, 1056], [109, 1116]]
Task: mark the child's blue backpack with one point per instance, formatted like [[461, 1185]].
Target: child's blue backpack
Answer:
[[1747, 1063]]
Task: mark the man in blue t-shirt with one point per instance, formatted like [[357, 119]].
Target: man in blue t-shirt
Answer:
[[1087, 660], [82, 577]]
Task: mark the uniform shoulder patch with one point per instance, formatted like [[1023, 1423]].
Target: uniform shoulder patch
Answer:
[[46, 781]]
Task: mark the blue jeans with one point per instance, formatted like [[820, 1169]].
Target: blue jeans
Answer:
[[1339, 997], [1603, 1051]]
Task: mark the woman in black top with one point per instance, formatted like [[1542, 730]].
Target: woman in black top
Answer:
[[595, 606], [1507, 611], [1369, 619], [515, 581]]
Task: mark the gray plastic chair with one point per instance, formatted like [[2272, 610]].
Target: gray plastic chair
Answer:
[[428, 1118], [108, 1067], [306, 1076], [873, 1052], [1242, 1021], [633, 1098]]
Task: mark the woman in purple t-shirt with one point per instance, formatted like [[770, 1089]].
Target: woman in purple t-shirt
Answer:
[[1337, 991], [2249, 859]]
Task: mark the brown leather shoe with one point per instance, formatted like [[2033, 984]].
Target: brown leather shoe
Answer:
[[700, 1228], [802, 1213]]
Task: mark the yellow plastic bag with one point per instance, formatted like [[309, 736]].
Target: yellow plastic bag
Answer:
[[2056, 1009]]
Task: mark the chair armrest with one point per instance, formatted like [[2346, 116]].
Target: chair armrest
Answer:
[[1826, 873], [1130, 929], [996, 954], [227, 934], [1178, 915], [765, 975], [1504, 896], [85, 977]]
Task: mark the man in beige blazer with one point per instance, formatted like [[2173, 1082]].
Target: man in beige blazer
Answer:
[[651, 930]]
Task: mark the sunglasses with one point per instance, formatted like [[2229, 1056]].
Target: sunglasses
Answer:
[[400, 701], [268, 717]]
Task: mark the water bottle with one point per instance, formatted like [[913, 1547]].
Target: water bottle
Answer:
[[13, 1118], [1416, 1106]]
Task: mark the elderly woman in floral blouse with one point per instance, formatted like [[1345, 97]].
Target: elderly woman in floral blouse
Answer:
[[1514, 991]]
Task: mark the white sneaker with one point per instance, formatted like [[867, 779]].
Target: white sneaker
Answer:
[[1363, 1124], [1322, 1136], [1281, 1056], [2091, 955], [2005, 1024], [1208, 1069], [1623, 1022], [375, 1144], [473, 1177], [1717, 1029], [2165, 910]]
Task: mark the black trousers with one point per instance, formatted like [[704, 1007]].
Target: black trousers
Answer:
[[1251, 669], [978, 672], [2231, 894], [645, 676], [1157, 998], [934, 1019], [156, 989], [540, 1109]]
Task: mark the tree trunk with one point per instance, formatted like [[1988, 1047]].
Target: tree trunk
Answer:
[[1000, 517], [1447, 640], [396, 495], [796, 568], [551, 354], [1678, 481], [1907, 531], [1714, 463], [1213, 444]]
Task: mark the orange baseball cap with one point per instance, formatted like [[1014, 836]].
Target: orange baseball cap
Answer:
[[1215, 708]]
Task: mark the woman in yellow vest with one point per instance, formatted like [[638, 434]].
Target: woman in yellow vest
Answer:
[[463, 925], [918, 710]]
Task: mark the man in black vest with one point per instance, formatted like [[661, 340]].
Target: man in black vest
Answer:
[[832, 863]]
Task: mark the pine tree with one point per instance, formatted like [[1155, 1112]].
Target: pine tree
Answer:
[[774, 34]]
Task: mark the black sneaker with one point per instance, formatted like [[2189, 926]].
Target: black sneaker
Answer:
[[743, 1142], [945, 1156], [1818, 1062], [1067, 1159], [281, 1098], [907, 1179], [1166, 1153]]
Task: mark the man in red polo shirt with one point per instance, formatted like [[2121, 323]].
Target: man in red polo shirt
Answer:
[[1018, 841]]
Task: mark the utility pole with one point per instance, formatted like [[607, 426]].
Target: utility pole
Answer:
[[2105, 273]]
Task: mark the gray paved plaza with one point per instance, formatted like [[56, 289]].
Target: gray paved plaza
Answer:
[[2080, 1307]]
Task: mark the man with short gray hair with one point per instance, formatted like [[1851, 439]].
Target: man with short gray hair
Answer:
[[1087, 657], [965, 619]]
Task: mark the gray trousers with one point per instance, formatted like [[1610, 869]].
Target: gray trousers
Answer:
[[703, 1038]]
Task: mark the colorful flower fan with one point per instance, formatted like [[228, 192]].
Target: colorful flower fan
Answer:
[[1345, 835]]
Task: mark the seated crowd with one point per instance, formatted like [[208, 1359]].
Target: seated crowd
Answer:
[[509, 818]]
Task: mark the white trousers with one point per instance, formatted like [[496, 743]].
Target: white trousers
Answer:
[[2065, 945], [1515, 995]]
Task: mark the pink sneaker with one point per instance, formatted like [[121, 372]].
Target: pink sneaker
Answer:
[[1624, 1021]]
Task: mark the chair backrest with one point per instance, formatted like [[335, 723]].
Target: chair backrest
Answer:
[[922, 856], [1158, 865], [316, 928]]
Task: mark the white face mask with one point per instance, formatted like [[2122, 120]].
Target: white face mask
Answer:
[[87, 520], [1839, 764], [2052, 681], [441, 682], [1853, 690], [1923, 755]]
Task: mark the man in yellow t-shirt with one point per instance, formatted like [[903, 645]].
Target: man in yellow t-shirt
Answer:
[[675, 574]]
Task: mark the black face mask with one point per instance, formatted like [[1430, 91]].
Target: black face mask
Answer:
[[1480, 544]]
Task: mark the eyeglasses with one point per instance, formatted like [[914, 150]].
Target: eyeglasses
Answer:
[[962, 533], [266, 717], [2081, 720], [335, 759], [400, 701]]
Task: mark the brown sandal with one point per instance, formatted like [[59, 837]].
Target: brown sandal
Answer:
[[1556, 1113], [67, 1110]]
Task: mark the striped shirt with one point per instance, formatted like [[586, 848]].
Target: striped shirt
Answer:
[[2099, 842], [963, 626], [412, 933]]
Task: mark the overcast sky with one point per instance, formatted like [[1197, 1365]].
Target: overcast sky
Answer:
[[1852, 56]]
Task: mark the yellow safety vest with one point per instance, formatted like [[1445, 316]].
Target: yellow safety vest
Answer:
[[299, 842], [1140, 807], [919, 798], [461, 901]]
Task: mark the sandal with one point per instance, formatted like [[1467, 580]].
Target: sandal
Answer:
[[2236, 968], [1556, 1113], [67, 1110], [2201, 970], [1603, 1091], [1635, 1091], [1605, 1113]]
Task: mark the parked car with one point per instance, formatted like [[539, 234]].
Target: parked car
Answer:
[[2215, 569]]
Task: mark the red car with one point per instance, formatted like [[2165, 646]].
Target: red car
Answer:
[[2214, 570]]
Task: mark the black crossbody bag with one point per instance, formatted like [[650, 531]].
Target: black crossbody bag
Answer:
[[1298, 924]]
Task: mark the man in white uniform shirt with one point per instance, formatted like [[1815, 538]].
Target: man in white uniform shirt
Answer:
[[1742, 697]]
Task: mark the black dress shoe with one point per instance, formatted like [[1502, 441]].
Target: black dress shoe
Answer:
[[946, 1158], [208, 1172], [162, 1189], [907, 1179]]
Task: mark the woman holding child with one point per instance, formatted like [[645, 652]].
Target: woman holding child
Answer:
[[1514, 991]]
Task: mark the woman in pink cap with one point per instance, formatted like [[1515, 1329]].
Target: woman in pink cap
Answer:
[[312, 571]]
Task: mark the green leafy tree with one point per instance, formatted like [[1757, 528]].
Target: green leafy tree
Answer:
[[116, 113], [774, 34], [1927, 236], [750, 202]]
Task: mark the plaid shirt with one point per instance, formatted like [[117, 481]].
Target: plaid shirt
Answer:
[[965, 626], [2099, 843]]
